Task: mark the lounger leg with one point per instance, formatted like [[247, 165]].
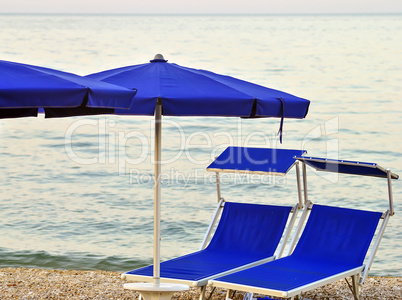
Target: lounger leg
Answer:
[[212, 292], [248, 296], [355, 287], [228, 294], [202, 293]]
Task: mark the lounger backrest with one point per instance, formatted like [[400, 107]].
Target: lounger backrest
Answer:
[[337, 235], [250, 228]]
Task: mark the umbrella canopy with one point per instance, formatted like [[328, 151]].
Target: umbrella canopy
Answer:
[[25, 88], [191, 92], [172, 90]]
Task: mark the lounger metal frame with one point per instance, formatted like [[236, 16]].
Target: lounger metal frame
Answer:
[[288, 294]]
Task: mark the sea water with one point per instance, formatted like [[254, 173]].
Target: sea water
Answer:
[[77, 193]]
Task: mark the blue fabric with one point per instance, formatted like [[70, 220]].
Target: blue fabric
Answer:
[[25, 88], [347, 167], [256, 159], [191, 92], [245, 233], [341, 235], [334, 240]]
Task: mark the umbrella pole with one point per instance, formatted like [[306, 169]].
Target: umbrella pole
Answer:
[[157, 201], [157, 290]]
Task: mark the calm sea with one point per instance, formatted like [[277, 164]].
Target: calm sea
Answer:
[[77, 193]]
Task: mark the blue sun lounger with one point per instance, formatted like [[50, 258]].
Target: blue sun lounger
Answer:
[[333, 245], [246, 235]]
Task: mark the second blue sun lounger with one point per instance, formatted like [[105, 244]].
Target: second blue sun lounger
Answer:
[[333, 245]]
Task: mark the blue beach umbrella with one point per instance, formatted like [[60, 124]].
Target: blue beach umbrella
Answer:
[[172, 90], [190, 92], [24, 89]]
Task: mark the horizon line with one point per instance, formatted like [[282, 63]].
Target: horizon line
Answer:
[[203, 14]]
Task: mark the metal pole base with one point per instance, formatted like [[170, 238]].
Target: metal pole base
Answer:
[[149, 291]]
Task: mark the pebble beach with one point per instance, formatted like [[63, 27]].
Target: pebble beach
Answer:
[[24, 284]]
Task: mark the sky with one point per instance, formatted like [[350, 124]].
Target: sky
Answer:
[[201, 6]]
